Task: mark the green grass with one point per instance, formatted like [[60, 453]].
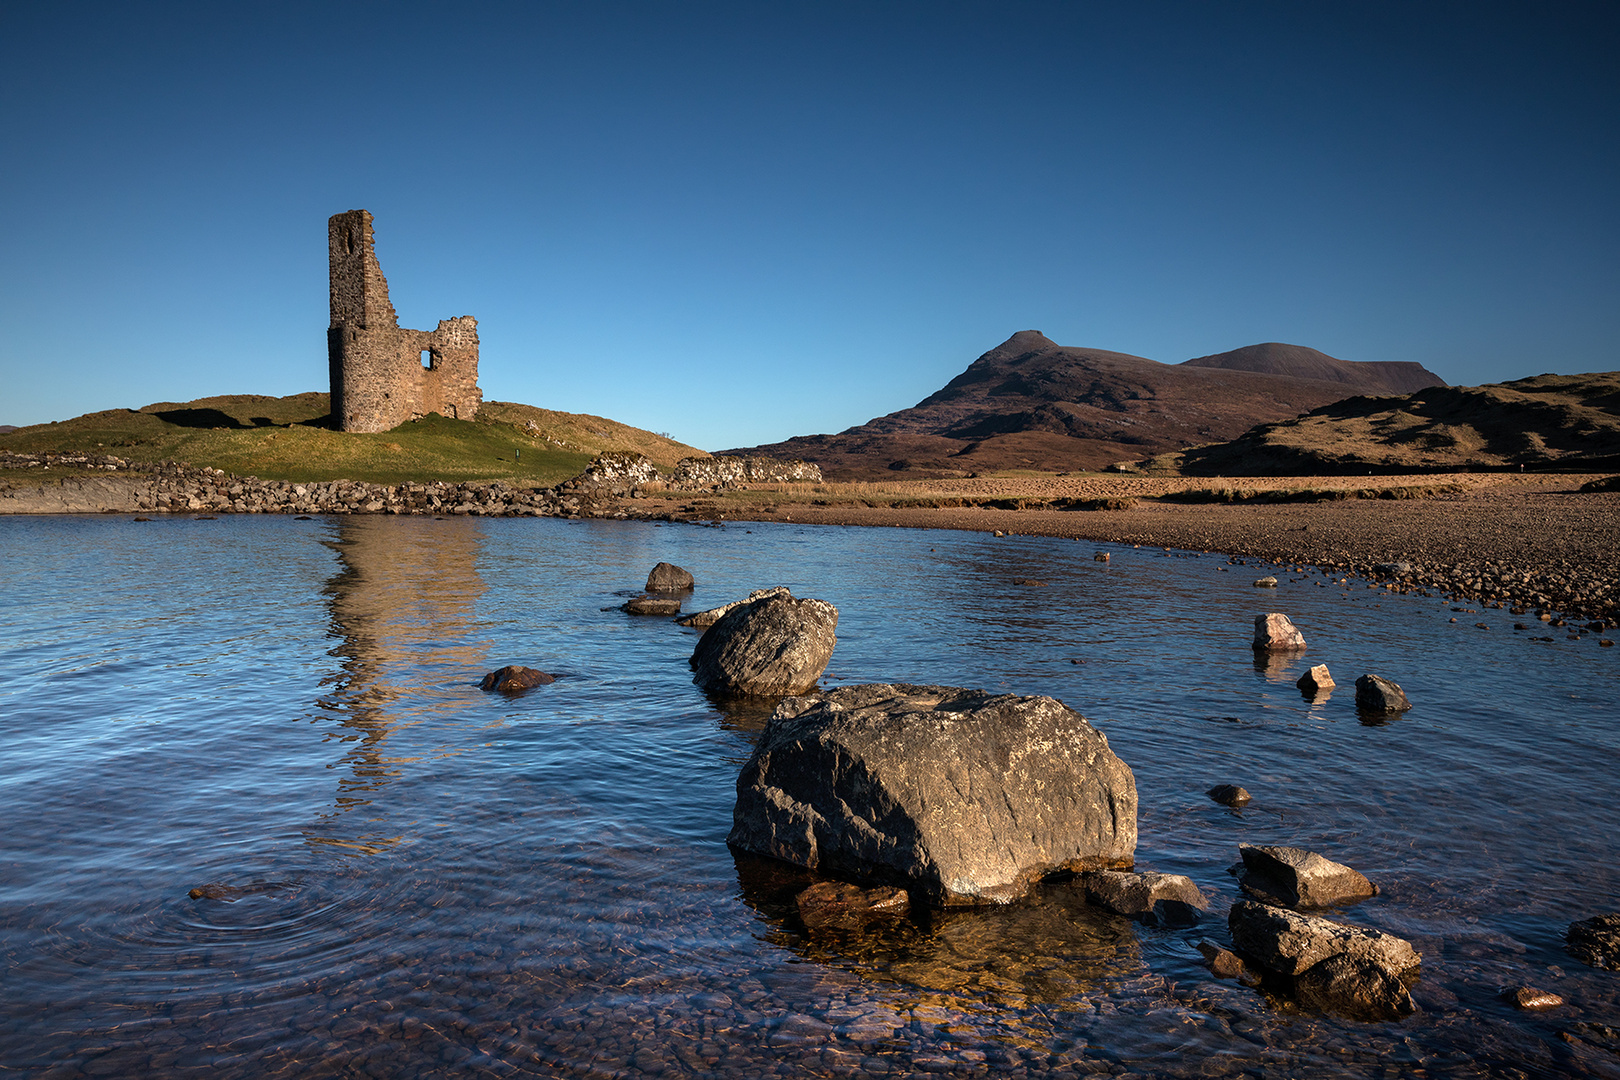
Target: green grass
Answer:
[[285, 439]]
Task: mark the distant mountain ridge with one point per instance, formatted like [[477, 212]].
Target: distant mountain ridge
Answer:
[[1031, 403], [1300, 362]]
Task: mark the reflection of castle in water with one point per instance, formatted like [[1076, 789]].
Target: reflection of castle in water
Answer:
[[403, 605]]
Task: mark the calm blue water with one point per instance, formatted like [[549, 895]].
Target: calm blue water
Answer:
[[436, 880]]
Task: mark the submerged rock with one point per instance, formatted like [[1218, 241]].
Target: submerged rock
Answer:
[[1374, 693], [1528, 997], [1223, 963], [776, 645], [667, 577], [513, 678], [1316, 681], [962, 796], [1596, 941], [839, 903], [1156, 899], [1276, 632], [1294, 877]]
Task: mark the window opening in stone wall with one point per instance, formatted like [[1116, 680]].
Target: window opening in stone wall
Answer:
[[427, 359], [348, 240]]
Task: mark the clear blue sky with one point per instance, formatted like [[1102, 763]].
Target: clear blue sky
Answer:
[[740, 222]]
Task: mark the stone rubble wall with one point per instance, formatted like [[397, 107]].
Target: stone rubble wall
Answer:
[[692, 474]]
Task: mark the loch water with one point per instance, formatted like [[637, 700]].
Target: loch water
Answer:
[[414, 878]]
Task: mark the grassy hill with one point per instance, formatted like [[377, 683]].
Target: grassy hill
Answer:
[[286, 439]]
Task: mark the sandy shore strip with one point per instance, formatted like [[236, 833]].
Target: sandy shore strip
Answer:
[[1504, 540]]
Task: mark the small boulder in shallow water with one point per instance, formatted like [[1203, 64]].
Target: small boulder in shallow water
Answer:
[[1294, 877], [513, 678], [1223, 963], [1316, 681], [1330, 966], [651, 605], [1359, 989], [1528, 997], [1229, 795], [775, 646], [1596, 941], [1376, 694], [1155, 899], [667, 577], [1275, 632], [1267, 582]]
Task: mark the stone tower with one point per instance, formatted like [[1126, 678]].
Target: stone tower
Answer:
[[382, 373]]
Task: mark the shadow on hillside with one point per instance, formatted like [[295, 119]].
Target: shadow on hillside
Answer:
[[199, 418]]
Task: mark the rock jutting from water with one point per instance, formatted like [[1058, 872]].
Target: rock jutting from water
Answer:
[[776, 645], [963, 797], [514, 678], [1229, 795], [1154, 899], [1293, 877], [1275, 632], [1316, 681], [651, 605], [667, 577], [1328, 965], [1376, 694]]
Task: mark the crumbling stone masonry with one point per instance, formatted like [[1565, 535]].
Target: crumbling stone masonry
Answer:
[[382, 373]]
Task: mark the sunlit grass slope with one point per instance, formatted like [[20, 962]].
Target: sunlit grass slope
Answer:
[[286, 439]]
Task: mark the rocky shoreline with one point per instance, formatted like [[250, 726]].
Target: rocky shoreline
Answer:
[[1531, 545]]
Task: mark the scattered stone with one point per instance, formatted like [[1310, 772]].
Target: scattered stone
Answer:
[[1596, 941], [1028, 581], [731, 470], [1155, 899], [1293, 877], [513, 678], [1374, 693], [775, 645], [667, 577], [1265, 583], [1392, 569], [1223, 963], [706, 619], [1290, 943], [838, 903], [1316, 681], [1229, 795], [965, 797], [1528, 997], [651, 605], [1276, 632], [1101, 556], [1605, 643]]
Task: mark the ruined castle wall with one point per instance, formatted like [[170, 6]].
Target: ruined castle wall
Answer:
[[379, 380]]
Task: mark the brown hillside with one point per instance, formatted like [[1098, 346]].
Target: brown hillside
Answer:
[[1561, 421], [1368, 376], [1032, 404]]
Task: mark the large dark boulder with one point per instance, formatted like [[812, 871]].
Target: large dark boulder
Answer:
[[962, 796], [1359, 989], [776, 645], [1294, 877], [667, 577]]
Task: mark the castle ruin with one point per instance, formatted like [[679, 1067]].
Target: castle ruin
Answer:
[[382, 373]]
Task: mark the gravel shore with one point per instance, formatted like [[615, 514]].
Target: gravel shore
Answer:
[[1500, 539]]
